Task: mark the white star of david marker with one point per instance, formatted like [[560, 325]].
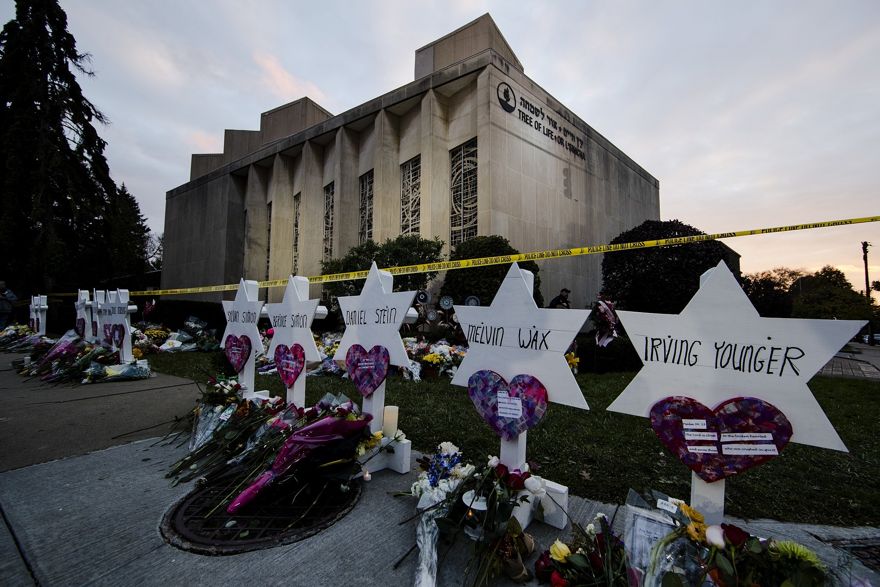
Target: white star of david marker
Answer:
[[292, 319], [719, 348], [374, 317], [242, 315], [514, 337]]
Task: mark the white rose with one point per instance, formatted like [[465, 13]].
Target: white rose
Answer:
[[493, 462], [715, 536]]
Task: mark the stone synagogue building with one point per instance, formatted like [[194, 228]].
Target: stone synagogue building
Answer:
[[471, 147]]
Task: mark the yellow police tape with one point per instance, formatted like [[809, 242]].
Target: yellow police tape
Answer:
[[504, 259]]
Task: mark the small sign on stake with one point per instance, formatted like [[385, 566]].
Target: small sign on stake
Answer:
[[293, 344], [515, 364], [242, 337], [38, 308], [372, 322], [746, 380]]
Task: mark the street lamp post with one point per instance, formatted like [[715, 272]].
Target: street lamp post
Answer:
[[865, 245]]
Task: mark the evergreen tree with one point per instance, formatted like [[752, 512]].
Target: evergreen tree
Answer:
[[58, 203], [127, 235]]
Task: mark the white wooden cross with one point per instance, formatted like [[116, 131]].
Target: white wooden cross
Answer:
[[99, 296], [514, 337], [783, 355], [38, 308], [84, 312], [291, 320], [115, 311], [374, 318]]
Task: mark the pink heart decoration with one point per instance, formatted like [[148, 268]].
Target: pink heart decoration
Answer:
[[118, 335], [523, 390], [238, 351], [760, 432], [367, 369], [80, 327], [290, 362], [108, 333]]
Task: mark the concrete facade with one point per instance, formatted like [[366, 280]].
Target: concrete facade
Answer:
[[472, 146]]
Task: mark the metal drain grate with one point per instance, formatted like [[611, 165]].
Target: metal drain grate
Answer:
[[286, 513]]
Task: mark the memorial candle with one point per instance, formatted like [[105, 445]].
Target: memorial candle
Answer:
[[389, 425]]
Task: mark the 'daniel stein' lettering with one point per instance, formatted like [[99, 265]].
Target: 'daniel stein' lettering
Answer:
[[386, 315]]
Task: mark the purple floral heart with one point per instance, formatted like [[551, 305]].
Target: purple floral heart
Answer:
[[238, 351], [739, 434], [290, 362], [108, 333], [367, 369], [509, 409], [80, 327], [118, 335]]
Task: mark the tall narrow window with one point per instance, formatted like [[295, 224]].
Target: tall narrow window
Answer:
[[295, 268], [268, 237], [329, 191], [410, 195], [463, 184], [365, 226]]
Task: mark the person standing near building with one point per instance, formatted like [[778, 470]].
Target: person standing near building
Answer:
[[6, 299], [561, 301]]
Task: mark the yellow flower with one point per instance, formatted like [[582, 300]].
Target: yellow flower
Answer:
[[137, 353], [572, 359], [692, 514], [559, 551], [696, 531]]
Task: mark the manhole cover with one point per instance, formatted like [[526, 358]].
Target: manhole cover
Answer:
[[283, 514]]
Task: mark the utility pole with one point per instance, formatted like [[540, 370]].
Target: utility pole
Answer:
[[865, 245]]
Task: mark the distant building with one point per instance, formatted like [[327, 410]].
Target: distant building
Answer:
[[471, 147]]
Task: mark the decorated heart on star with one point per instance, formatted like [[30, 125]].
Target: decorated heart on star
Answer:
[[80, 327], [508, 408], [108, 333], [738, 434], [237, 350], [289, 361], [118, 334], [367, 369]]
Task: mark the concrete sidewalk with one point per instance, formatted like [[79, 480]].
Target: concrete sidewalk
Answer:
[[857, 361], [93, 517]]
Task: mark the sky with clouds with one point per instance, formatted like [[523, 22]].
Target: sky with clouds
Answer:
[[750, 113]]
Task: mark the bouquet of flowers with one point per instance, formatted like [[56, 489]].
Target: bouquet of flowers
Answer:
[[595, 556], [728, 556], [478, 501]]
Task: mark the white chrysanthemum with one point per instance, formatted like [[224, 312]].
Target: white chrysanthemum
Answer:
[[447, 448]]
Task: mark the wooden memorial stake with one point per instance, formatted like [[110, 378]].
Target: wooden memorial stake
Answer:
[[115, 312], [373, 318], [39, 307], [83, 308], [708, 499], [291, 320], [718, 314], [514, 337], [242, 315], [98, 298]]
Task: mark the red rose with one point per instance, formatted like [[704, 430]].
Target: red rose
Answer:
[[736, 536], [543, 567], [557, 580], [501, 470], [517, 480]]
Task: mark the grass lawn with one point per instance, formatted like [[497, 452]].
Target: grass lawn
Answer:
[[600, 454]]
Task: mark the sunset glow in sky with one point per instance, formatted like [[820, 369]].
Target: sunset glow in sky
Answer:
[[751, 114]]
